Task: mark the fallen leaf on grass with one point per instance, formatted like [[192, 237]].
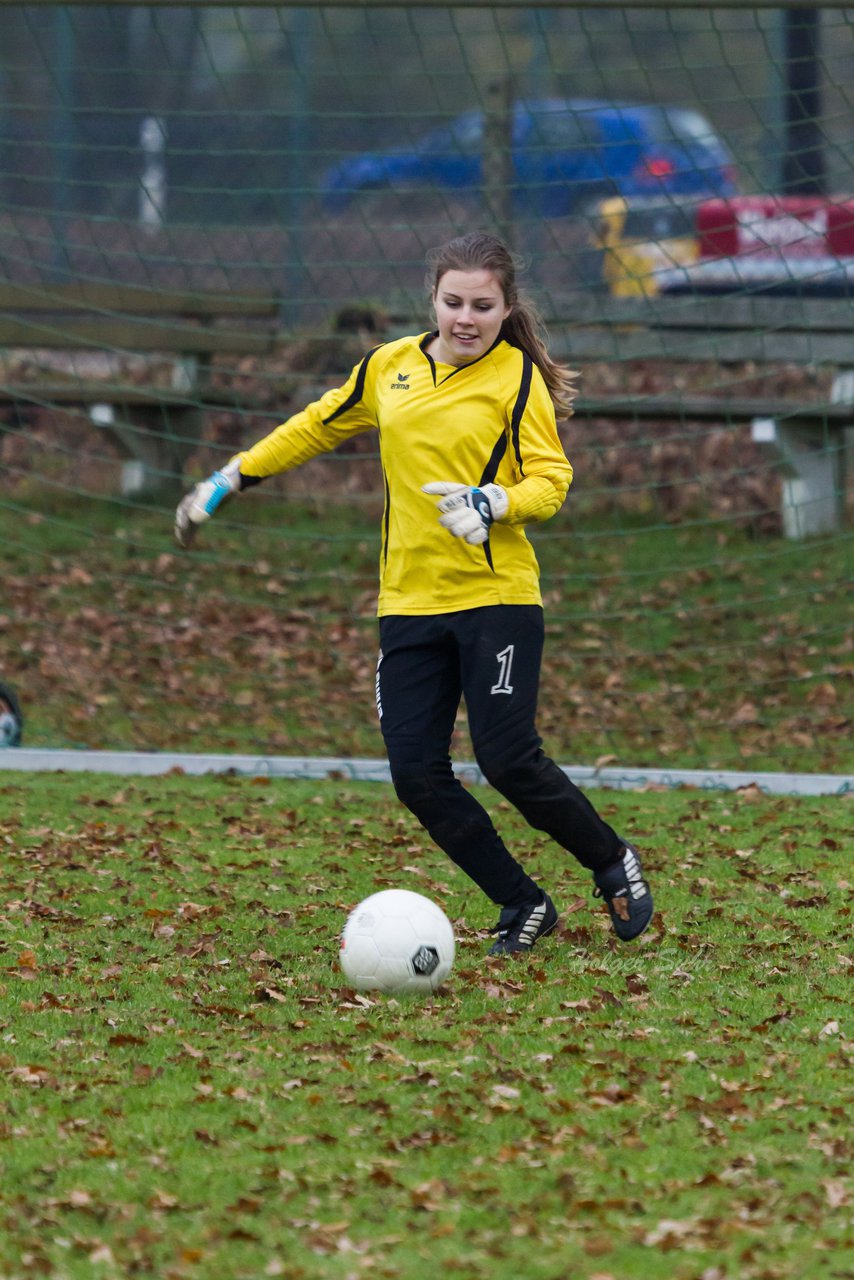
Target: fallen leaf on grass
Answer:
[[30, 1075], [269, 993], [670, 1233], [504, 1091], [163, 1201], [597, 1246], [78, 1198], [192, 910], [836, 1192]]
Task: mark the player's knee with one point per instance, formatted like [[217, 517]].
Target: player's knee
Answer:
[[410, 786], [508, 774], [419, 788]]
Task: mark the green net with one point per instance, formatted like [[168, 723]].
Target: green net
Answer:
[[207, 214]]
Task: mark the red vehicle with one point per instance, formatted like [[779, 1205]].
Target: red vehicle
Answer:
[[800, 245]]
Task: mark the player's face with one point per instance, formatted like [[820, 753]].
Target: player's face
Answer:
[[470, 310]]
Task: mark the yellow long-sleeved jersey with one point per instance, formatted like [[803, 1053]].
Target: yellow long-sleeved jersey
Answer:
[[491, 421]]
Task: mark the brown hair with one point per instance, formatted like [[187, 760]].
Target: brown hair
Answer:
[[480, 251]]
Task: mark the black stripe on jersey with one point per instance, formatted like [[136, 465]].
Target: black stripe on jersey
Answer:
[[520, 406], [358, 390], [386, 517], [428, 337], [490, 471]]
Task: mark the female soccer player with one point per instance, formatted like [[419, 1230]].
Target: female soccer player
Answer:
[[466, 414]]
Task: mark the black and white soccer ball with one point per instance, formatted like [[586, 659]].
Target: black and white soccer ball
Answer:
[[395, 941]]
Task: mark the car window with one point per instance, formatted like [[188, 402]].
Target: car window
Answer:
[[466, 134], [462, 135], [563, 129], [618, 124], [683, 125]]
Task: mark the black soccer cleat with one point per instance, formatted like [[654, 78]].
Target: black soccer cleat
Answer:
[[519, 928], [626, 895]]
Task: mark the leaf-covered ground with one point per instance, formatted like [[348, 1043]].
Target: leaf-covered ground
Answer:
[[189, 1088], [693, 646]]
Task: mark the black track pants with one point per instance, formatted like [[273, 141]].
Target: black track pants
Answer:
[[491, 656]]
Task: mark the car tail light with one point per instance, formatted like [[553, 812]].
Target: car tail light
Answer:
[[659, 167]]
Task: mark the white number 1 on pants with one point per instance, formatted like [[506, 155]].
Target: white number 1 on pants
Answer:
[[505, 662]]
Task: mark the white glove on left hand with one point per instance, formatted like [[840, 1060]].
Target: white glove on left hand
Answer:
[[203, 501], [468, 512]]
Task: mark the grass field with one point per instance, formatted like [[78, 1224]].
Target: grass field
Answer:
[[189, 1089]]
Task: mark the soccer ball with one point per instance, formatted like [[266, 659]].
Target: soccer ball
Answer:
[[397, 940]]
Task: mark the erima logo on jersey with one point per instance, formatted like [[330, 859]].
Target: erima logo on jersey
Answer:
[[402, 383]]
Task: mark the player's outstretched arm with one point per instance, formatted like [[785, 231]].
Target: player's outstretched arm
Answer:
[[204, 500]]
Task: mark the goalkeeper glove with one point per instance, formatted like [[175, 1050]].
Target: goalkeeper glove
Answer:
[[204, 500], [11, 719], [468, 512]]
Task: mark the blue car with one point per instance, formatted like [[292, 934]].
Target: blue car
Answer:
[[566, 154]]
